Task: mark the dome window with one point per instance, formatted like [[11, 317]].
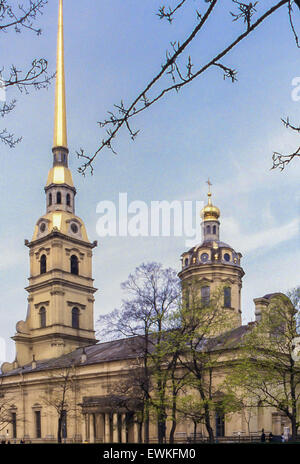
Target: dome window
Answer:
[[50, 199], [58, 198], [186, 261], [214, 229], [68, 199], [227, 257], [204, 257]]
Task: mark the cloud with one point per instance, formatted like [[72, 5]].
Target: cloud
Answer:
[[264, 239], [10, 256]]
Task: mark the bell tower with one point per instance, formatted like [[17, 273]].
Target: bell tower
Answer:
[[60, 292], [213, 266]]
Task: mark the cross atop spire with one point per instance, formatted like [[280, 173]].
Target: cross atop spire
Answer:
[[209, 192], [209, 184], [60, 119]]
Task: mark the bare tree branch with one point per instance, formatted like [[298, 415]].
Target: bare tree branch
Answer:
[[280, 160], [17, 17], [171, 67]]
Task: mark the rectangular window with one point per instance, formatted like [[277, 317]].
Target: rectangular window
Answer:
[[14, 424], [38, 425], [227, 297], [205, 296], [220, 424]]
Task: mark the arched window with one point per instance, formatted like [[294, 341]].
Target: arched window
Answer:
[[43, 264], [208, 229], [50, 199], [74, 265], [205, 295], [214, 229], [68, 199], [58, 198], [75, 318], [186, 261], [42, 317], [227, 297]]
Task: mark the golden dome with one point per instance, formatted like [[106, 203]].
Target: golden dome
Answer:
[[210, 212]]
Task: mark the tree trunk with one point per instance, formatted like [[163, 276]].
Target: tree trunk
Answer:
[[174, 407], [140, 435], [146, 424], [208, 425], [161, 428], [195, 431], [294, 427], [59, 429], [173, 428]]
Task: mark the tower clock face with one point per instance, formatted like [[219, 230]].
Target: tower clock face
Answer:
[[204, 257]]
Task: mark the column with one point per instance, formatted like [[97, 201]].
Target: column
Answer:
[[106, 428], [115, 428], [136, 426], [123, 434], [92, 428], [84, 427]]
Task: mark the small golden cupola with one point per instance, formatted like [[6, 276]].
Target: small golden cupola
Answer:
[[210, 218]]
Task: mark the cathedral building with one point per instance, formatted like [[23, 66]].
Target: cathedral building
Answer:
[[58, 336]]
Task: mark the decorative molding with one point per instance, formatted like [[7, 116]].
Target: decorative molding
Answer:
[[75, 250], [42, 303], [57, 292], [37, 253], [73, 303], [57, 244]]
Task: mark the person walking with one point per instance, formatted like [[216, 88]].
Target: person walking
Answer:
[[263, 436]]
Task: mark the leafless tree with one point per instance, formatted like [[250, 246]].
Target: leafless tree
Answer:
[[153, 294], [6, 407], [59, 397], [180, 67], [19, 17], [205, 327]]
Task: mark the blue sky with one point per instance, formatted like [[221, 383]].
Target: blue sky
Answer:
[[211, 129]]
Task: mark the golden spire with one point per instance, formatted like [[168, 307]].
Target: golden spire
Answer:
[[60, 120]]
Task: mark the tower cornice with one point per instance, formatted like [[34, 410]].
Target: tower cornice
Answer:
[[57, 234]]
